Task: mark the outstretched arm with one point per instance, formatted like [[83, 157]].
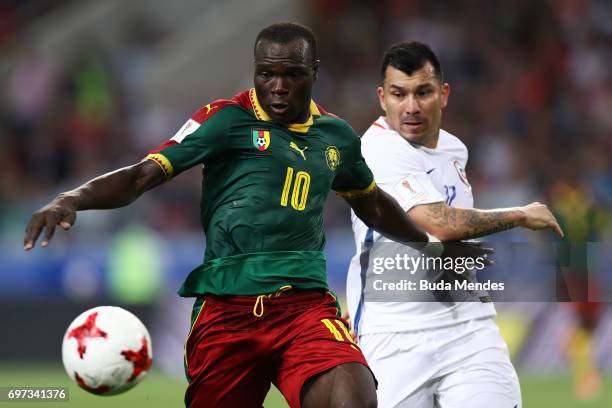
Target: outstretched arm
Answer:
[[112, 190], [449, 223], [380, 211]]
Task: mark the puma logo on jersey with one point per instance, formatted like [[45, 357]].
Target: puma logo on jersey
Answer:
[[297, 149], [209, 108]]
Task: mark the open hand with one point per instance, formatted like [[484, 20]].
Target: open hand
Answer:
[[60, 212], [538, 216]]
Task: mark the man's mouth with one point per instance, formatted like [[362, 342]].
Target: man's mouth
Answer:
[[279, 108], [412, 124]]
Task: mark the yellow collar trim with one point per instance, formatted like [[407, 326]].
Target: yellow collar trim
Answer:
[[294, 127]]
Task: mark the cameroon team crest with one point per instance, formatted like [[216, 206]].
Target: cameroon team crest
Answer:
[[261, 139], [332, 156]]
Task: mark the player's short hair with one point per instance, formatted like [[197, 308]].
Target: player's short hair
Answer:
[[409, 57], [285, 33]]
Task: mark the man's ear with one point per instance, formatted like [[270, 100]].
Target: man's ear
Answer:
[[445, 94], [315, 70], [381, 98]]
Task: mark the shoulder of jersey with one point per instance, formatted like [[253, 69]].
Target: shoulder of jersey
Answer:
[[330, 117], [379, 134], [194, 122], [209, 110], [324, 112], [450, 141], [378, 127]]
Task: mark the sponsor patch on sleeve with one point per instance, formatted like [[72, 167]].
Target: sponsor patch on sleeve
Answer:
[[188, 128]]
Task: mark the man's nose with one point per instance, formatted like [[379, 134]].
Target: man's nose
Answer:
[[279, 86], [411, 105]]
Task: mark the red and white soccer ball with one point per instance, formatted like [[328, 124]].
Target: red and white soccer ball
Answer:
[[107, 350]]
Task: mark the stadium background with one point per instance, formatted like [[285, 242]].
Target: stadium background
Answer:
[[88, 86]]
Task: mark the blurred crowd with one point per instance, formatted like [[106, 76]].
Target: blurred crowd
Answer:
[[65, 120], [531, 96]]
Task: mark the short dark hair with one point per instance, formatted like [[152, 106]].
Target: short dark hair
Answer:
[[286, 32], [409, 57]]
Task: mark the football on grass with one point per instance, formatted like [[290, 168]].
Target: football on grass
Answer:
[[107, 350]]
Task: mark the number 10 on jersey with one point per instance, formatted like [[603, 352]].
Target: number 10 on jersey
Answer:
[[298, 187]]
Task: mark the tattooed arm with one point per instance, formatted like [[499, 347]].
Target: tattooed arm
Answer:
[[449, 223]]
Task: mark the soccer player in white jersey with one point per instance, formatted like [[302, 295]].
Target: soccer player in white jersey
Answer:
[[430, 354]]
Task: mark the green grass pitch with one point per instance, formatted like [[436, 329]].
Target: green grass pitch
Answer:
[[161, 391]]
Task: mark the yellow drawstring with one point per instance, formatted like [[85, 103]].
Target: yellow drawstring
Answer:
[[282, 290], [258, 308]]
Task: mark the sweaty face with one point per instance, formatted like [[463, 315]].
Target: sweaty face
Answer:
[[413, 103], [284, 76]]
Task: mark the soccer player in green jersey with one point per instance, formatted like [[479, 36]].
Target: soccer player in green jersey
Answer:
[[263, 313]]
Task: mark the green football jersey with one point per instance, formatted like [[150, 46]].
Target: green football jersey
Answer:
[[264, 190]]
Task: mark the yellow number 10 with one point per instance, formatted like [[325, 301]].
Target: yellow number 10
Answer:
[[300, 189]]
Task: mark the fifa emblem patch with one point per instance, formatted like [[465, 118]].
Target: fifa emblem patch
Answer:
[[410, 190], [332, 157], [461, 173], [261, 139], [406, 184]]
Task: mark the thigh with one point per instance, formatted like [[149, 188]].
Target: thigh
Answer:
[[225, 366], [405, 366], [483, 379], [320, 341], [486, 386]]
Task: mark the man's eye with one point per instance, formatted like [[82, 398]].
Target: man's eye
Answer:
[[264, 75], [396, 94], [424, 93]]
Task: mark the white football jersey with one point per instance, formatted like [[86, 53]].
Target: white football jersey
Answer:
[[413, 175]]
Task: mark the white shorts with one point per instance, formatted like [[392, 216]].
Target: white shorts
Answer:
[[465, 365]]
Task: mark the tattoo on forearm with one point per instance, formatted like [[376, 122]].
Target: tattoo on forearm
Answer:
[[471, 223]]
